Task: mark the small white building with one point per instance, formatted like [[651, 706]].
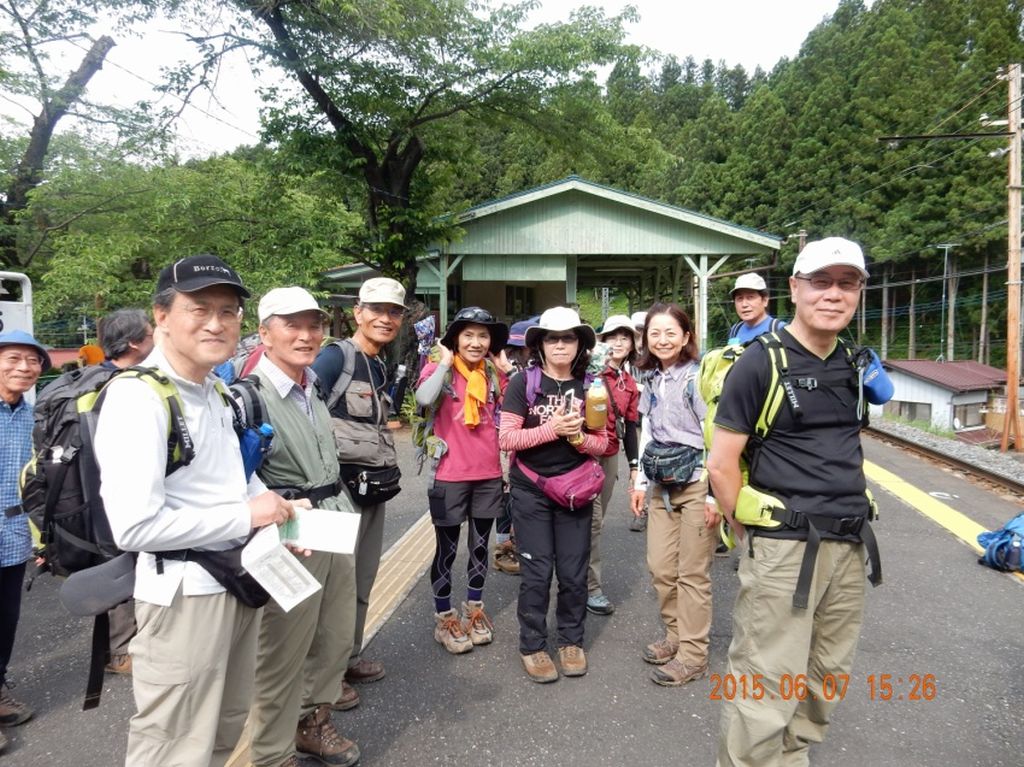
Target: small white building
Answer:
[[948, 395]]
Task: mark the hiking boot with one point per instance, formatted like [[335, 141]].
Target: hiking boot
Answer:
[[364, 671], [638, 524], [506, 558], [676, 673], [476, 624], [291, 761], [449, 633], [317, 737], [598, 604], [661, 652], [539, 667], [573, 660], [349, 698], [721, 550], [12, 712], [119, 664]]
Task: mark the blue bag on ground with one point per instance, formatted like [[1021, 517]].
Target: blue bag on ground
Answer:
[[1003, 547]]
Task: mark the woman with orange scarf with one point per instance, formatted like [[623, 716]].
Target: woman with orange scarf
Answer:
[[462, 390]]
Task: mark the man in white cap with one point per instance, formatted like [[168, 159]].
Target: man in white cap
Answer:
[[750, 297], [800, 604], [303, 652], [356, 376]]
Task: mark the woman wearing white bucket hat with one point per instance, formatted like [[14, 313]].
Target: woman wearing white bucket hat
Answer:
[[542, 422]]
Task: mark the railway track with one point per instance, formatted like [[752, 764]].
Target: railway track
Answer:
[[1004, 483]]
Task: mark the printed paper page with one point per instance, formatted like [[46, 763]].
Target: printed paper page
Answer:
[[278, 570], [322, 530]]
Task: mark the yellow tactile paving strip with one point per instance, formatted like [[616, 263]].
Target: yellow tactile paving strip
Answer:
[[400, 568], [963, 527]]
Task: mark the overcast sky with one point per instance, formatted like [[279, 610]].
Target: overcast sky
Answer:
[[747, 32]]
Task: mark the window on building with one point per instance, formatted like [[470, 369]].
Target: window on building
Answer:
[[909, 411], [969, 415], [519, 301]]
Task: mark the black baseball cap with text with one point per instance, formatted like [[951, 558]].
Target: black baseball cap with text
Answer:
[[187, 275]]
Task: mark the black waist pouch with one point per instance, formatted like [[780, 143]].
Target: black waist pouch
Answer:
[[226, 568], [368, 486]]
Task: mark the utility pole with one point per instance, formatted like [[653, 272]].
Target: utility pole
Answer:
[[943, 332], [1011, 423]]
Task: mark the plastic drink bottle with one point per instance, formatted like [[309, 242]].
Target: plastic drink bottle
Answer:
[[597, 405]]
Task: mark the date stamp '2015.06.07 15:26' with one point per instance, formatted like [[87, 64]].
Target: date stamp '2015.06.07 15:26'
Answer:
[[832, 687]]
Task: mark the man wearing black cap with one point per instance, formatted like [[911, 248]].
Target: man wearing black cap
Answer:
[[195, 650]]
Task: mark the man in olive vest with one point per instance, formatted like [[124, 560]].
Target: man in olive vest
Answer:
[[302, 653]]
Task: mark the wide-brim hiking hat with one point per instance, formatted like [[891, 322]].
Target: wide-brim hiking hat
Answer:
[[558, 319], [285, 301], [474, 315], [749, 281], [620, 322], [517, 333], [382, 290], [21, 338], [639, 319], [831, 251], [187, 275]]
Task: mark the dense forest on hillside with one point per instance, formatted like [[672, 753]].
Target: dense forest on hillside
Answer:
[[794, 148]]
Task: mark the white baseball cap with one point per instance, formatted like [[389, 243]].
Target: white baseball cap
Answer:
[[638, 319], [832, 251], [382, 290], [750, 281], [285, 301]]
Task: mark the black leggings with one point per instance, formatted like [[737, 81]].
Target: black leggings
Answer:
[[11, 579], [444, 557]]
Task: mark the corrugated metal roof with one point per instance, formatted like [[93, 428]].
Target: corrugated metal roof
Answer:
[[957, 376]]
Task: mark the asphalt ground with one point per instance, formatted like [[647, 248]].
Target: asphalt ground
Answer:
[[937, 613]]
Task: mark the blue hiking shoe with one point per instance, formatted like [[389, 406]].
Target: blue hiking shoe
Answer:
[[599, 604]]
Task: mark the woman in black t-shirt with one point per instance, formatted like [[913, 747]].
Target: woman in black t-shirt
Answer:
[[542, 422]]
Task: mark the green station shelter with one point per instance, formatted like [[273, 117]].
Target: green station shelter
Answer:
[[536, 249]]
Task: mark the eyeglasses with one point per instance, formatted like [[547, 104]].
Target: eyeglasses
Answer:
[[563, 339], [392, 311], [226, 315], [822, 282], [16, 360]]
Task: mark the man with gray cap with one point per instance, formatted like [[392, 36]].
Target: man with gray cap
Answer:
[[22, 360], [800, 604], [195, 651], [303, 652], [750, 298], [356, 376]]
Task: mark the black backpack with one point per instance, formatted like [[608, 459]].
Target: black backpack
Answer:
[[60, 485]]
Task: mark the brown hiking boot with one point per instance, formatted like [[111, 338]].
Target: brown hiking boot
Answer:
[[119, 664], [572, 660], [449, 633], [349, 698], [291, 761], [364, 671], [675, 673], [539, 667], [476, 624], [660, 652], [506, 558], [12, 712], [317, 737]]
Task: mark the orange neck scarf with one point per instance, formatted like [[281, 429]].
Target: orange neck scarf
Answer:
[[476, 389]]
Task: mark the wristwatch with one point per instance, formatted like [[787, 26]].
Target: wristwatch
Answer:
[[577, 440]]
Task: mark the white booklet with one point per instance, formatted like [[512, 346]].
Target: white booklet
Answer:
[[278, 570], [322, 530]]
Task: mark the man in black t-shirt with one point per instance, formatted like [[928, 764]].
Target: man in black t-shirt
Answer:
[[812, 463]]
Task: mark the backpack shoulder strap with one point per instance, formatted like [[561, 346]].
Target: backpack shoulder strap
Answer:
[[779, 387], [777, 325], [248, 391], [736, 329], [533, 374], [180, 449], [348, 367]]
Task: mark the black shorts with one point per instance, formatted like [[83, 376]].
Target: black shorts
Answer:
[[452, 503]]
